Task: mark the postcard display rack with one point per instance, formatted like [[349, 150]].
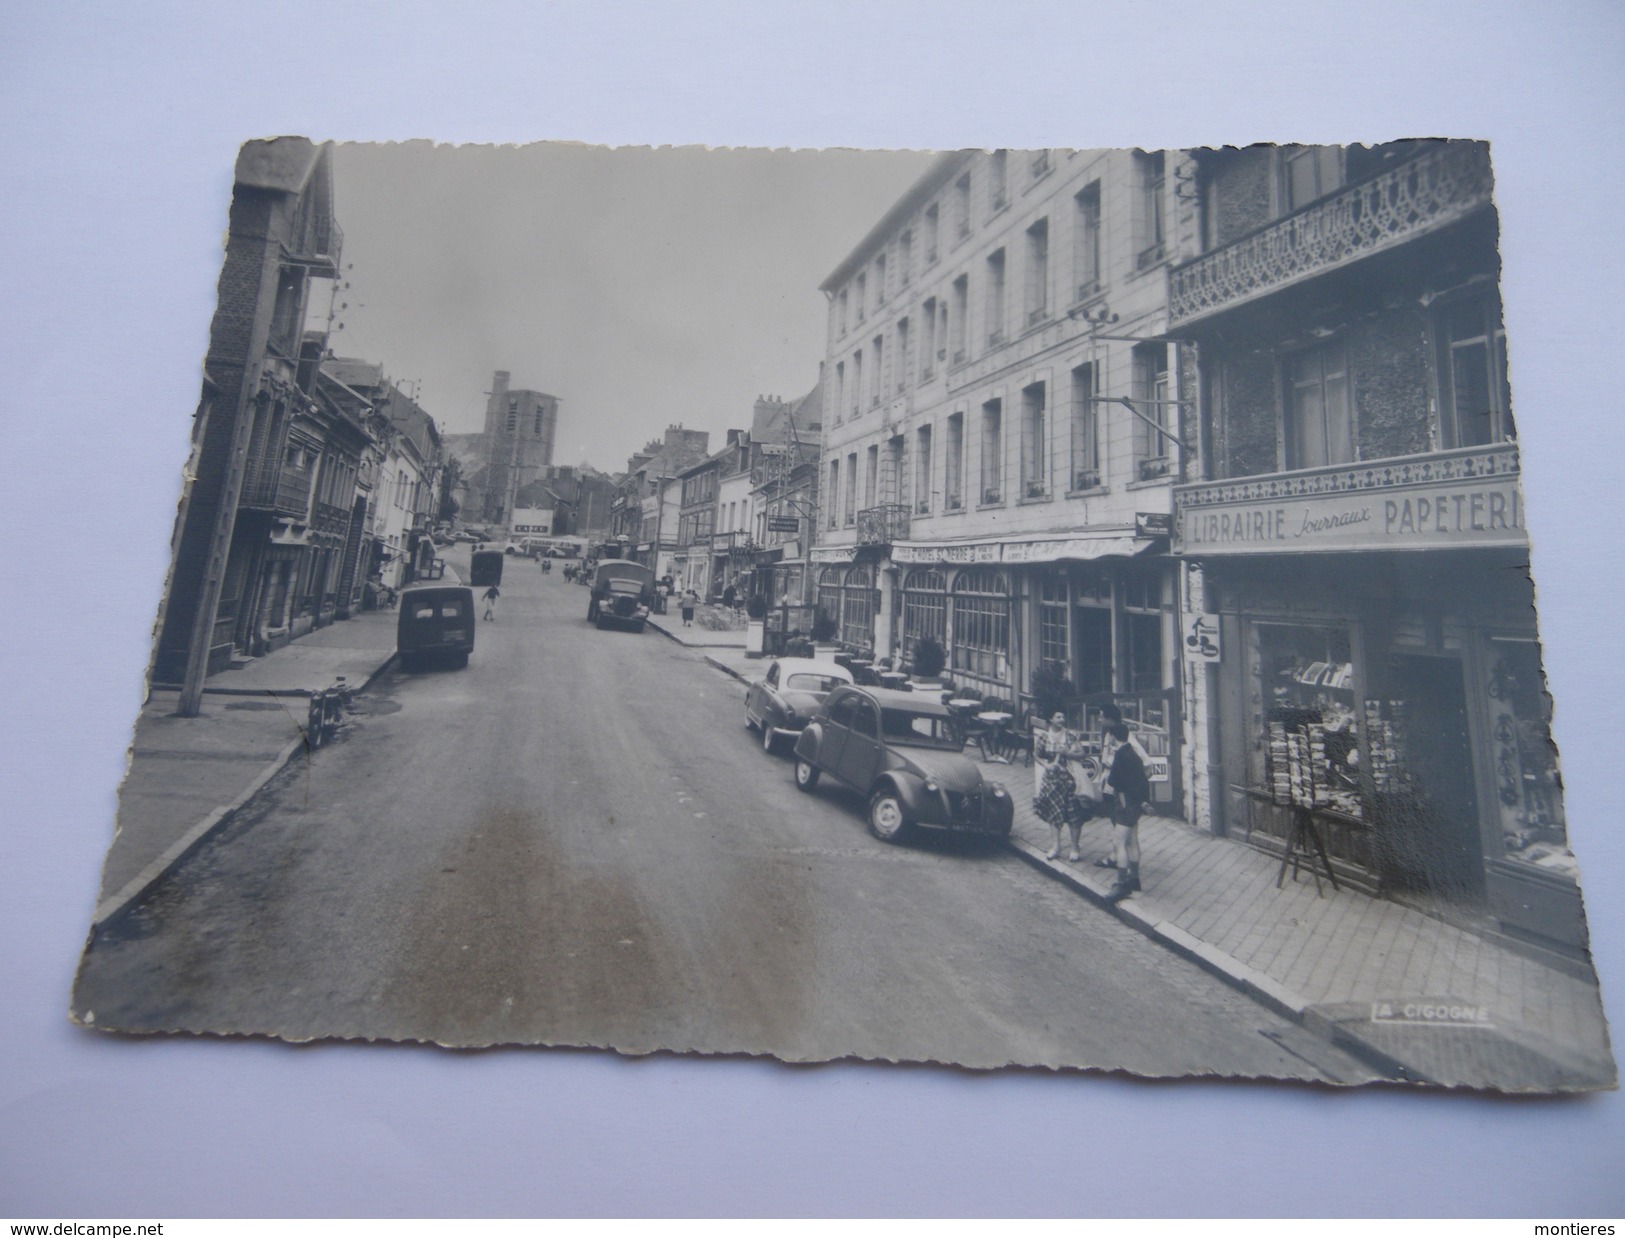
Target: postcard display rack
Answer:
[[1311, 759]]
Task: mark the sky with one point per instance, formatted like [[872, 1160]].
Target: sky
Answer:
[[642, 286]]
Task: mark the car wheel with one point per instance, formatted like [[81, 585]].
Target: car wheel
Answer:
[[592, 612], [770, 741], [459, 660], [806, 774], [640, 626], [887, 820]]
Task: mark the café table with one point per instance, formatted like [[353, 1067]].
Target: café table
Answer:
[[992, 740]]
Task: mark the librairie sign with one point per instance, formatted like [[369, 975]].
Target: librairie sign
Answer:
[[1424, 503]]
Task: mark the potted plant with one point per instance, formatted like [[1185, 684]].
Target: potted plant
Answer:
[[756, 615], [823, 634], [929, 657]]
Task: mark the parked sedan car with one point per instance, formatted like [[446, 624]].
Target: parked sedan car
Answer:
[[789, 695], [904, 751]]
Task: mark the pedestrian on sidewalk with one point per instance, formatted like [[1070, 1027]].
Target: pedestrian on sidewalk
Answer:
[[490, 596], [1127, 790], [1058, 801], [690, 601]]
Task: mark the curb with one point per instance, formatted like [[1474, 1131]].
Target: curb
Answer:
[[183, 846], [724, 668]]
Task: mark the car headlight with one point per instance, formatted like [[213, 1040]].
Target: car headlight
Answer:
[[789, 713], [998, 791], [931, 786]]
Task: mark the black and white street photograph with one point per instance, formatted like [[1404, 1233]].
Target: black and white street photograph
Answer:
[[726, 611], [997, 607]]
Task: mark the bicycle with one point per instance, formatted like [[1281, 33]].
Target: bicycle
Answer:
[[326, 713]]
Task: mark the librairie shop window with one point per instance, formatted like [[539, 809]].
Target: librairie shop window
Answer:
[[1309, 753], [1528, 785]]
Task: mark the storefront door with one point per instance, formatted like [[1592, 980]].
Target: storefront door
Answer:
[[1437, 848]]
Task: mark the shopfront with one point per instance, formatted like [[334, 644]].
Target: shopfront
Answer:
[[1387, 683]]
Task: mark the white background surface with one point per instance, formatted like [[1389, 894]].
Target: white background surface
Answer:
[[121, 123]]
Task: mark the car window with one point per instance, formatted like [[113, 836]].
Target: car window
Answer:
[[841, 714], [423, 612], [863, 722], [773, 676], [810, 681], [450, 610], [904, 727]]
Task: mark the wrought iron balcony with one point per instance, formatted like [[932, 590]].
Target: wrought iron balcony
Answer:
[[883, 525], [1438, 188], [274, 488]]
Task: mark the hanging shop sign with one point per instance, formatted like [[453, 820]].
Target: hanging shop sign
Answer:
[[1202, 637], [1153, 524], [783, 524], [1442, 501], [830, 554]]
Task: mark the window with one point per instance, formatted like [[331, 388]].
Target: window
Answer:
[[962, 206], [1307, 173], [841, 304], [860, 298], [905, 259], [1142, 631], [513, 414], [1148, 240], [857, 612], [840, 390], [880, 280], [857, 382], [928, 342], [995, 298], [1151, 398], [998, 182], [1475, 402], [992, 451], [922, 469], [538, 429], [932, 231], [1054, 635], [1319, 420], [877, 375], [981, 626], [286, 314], [852, 488], [925, 607], [953, 482], [1085, 430], [1087, 251], [1040, 164], [900, 359], [1037, 283], [871, 476], [834, 492], [956, 320], [1034, 445]]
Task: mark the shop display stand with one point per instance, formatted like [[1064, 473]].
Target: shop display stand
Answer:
[[1298, 775], [1304, 845]]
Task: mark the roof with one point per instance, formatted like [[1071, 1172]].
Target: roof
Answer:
[[933, 179], [353, 372], [897, 698], [282, 164], [813, 666]]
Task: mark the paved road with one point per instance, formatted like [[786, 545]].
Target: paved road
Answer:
[[575, 841]]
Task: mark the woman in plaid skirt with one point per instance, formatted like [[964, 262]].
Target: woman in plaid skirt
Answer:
[[1058, 801]]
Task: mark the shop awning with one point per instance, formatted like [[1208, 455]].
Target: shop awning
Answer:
[[1032, 550]]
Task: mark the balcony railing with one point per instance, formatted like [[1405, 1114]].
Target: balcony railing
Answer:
[[1444, 185], [273, 488], [883, 525]]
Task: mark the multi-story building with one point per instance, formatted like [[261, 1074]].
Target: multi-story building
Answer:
[[400, 477], [1002, 427], [1360, 565], [643, 515], [692, 560], [785, 492], [266, 458], [519, 429]]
